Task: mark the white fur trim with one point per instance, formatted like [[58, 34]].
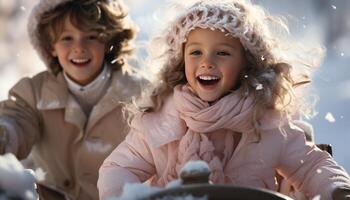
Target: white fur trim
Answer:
[[38, 10]]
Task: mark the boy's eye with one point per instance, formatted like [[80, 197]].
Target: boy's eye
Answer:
[[223, 53], [92, 37], [66, 38], [195, 53]]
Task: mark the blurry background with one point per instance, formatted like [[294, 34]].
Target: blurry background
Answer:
[[324, 22]]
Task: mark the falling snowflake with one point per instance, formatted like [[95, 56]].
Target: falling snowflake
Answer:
[[329, 117], [262, 58], [319, 171], [13, 98], [341, 54], [111, 48], [301, 161], [259, 86], [317, 197], [304, 26], [245, 76], [114, 61], [23, 8], [334, 7]]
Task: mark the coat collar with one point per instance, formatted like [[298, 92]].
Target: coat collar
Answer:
[[55, 95], [121, 90]]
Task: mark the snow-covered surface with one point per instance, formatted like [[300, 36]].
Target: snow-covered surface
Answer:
[[195, 166], [174, 183], [313, 22], [16, 181], [183, 197], [132, 191]]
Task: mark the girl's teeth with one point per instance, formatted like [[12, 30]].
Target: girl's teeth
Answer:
[[208, 78]]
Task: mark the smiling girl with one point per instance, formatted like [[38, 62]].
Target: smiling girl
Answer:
[[223, 96]]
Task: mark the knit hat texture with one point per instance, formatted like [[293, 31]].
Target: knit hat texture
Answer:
[[237, 18]]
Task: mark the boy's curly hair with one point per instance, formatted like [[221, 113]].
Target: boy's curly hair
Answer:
[[107, 18]]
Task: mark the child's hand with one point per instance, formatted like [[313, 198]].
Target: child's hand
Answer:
[[341, 193], [3, 140]]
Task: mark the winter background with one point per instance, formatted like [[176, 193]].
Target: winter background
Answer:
[[313, 21]]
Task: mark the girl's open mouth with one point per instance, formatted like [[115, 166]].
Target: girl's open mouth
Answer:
[[208, 80]]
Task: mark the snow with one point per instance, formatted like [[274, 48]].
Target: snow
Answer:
[[15, 180], [133, 191], [114, 61], [195, 166], [259, 86], [318, 197], [138, 190], [98, 146], [174, 183], [183, 197], [329, 117]]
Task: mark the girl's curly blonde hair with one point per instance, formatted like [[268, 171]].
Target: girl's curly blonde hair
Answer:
[[271, 74]]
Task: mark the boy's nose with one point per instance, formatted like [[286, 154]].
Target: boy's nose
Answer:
[[79, 48]]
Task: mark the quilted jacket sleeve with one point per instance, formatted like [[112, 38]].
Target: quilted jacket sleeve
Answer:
[[130, 162], [309, 169]]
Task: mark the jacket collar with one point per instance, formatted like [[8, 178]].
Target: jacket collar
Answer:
[[121, 90], [55, 95]]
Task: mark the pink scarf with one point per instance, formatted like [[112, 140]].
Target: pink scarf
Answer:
[[232, 112]]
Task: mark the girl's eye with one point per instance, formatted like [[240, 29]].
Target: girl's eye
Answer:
[[196, 53], [223, 53]]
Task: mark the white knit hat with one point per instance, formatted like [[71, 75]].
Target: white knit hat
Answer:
[[35, 16], [237, 18]]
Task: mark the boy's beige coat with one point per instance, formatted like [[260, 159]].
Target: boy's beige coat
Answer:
[[69, 147]]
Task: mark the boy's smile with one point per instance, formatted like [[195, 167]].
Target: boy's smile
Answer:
[[80, 62], [213, 63], [80, 53]]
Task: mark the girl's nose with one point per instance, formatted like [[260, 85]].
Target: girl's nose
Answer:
[[208, 62]]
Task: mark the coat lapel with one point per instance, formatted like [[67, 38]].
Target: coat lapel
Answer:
[[121, 90], [55, 95]]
